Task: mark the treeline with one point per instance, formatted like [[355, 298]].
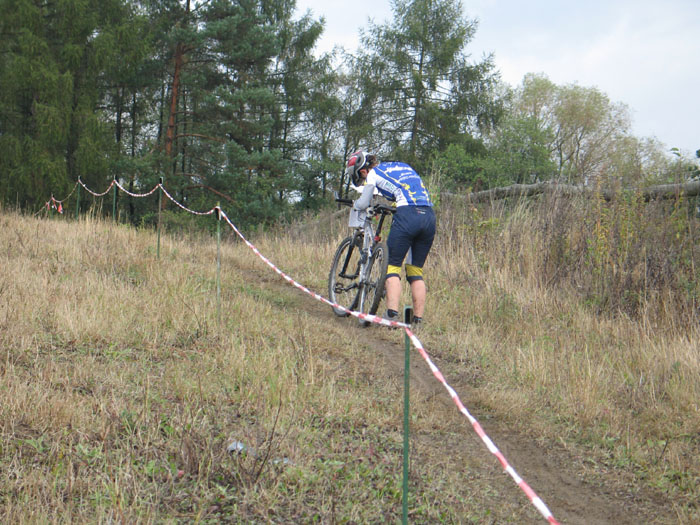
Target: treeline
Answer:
[[227, 101]]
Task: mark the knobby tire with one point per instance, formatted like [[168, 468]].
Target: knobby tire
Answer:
[[373, 291], [344, 291]]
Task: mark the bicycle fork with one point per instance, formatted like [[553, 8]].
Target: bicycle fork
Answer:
[[366, 260]]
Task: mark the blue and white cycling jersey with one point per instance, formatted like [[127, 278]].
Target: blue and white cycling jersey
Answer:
[[413, 224], [399, 182]]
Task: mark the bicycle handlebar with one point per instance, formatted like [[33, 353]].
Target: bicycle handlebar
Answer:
[[378, 208], [381, 208], [347, 202]]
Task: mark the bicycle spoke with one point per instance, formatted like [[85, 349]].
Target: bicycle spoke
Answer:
[[343, 287]]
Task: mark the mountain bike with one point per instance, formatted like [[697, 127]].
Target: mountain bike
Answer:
[[358, 272]]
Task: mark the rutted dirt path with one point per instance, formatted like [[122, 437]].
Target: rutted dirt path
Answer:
[[575, 489]]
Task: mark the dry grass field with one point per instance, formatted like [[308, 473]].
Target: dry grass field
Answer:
[[563, 328]]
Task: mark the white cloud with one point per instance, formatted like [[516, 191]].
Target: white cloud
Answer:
[[642, 53]]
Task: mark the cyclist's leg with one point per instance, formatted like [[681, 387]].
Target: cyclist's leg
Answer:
[[418, 293], [399, 242], [392, 285], [420, 246]]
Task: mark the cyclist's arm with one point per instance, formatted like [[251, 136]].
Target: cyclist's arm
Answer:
[[363, 202]]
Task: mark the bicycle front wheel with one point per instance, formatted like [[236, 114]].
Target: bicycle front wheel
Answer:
[[344, 277], [373, 288]]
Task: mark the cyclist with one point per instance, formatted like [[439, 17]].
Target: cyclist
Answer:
[[412, 229]]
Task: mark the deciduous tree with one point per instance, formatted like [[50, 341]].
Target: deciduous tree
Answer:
[[419, 89]]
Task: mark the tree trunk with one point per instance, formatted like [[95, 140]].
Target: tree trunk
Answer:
[[132, 210], [118, 124], [661, 191], [180, 50], [174, 92]]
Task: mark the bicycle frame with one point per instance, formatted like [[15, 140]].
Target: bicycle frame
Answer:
[[356, 270], [370, 239]]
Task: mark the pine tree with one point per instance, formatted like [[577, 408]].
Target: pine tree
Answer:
[[51, 78], [419, 89]]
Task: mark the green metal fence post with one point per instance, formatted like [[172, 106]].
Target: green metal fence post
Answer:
[[160, 201], [218, 262], [114, 202], [77, 204], [407, 317]]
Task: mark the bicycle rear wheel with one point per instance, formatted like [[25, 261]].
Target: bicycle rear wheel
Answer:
[[373, 290], [344, 277]]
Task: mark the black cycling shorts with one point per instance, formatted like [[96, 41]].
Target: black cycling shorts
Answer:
[[413, 228]]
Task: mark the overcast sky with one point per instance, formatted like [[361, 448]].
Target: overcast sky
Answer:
[[643, 53]]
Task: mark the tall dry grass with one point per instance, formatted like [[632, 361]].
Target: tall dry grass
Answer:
[[580, 319], [121, 389]]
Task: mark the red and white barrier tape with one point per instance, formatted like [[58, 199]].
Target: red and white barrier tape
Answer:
[[136, 194], [532, 496], [213, 210], [58, 204], [367, 317], [115, 182], [96, 194], [54, 203]]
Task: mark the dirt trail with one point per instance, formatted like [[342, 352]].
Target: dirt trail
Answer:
[[575, 490]]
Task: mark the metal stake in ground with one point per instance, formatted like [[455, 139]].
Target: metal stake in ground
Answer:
[[114, 202], [407, 317], [218, 262], [77, 204], [160, 202]]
